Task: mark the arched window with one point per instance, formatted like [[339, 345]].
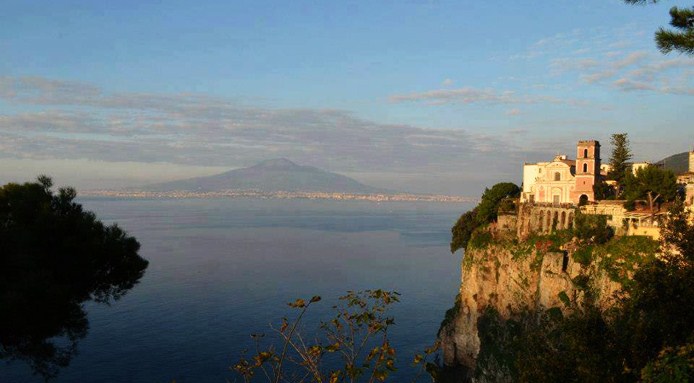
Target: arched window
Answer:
[[557, 176], [585, 153], [585, 168]]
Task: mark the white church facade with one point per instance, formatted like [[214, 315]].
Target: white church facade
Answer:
[[563, 181]]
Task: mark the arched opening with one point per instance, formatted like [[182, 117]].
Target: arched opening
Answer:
[[563, 220], [582, 200], [585, 168], [570, 222], [548, 222], [557, 176], [565, 261], [585, 153], [555, 221]]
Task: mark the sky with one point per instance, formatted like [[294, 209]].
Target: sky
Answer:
[[419, 96]]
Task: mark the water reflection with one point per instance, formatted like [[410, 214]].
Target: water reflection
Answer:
[[55, 257]]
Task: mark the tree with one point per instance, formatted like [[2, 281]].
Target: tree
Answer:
[[54, 257], [619, 159], [603, 191], [677, 231], [592, 228], [489, 205], [485, 212], [653, 183], [461, 232], [682, 38]]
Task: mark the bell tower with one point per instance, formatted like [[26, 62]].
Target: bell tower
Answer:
[[587, 169]]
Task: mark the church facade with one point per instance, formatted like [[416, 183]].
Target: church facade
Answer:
[[563, 181]]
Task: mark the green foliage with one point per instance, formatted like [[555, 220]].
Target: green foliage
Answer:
[[480, 239], [603, 191], [677, 231], [545, 346], [583, 255], [489, 205], [520, 250], [508, 205], [495, 358], [54, 257], [674, 40], [564, 298], [673, 365], [581, 282], [651, 183], [648, 335], [494, 199], [681, 39], [619, 159], [630, 205], [622, 256], [576, 348], [592, 228], [462, 230], [656, 310]]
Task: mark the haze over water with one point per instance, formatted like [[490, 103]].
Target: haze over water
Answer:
[[223, 269]]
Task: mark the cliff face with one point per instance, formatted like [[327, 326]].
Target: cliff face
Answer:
[[511, 270], [510, 279]]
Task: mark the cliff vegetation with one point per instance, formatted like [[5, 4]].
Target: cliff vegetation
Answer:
[[564, 299]]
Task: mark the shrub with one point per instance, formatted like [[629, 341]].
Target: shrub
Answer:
[[462, 230], [593, 228], [584, 255]]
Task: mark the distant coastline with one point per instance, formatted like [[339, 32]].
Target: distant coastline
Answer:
[[186, 194]]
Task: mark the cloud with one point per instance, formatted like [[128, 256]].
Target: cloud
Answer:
[[631, 71], [469, 95], [447, 82], [80, 121], [513, 112], [613, 58], [629, 85]]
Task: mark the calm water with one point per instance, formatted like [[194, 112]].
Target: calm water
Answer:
[[222, 269]]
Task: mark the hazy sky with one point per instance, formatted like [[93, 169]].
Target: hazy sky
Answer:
[[422, 96]]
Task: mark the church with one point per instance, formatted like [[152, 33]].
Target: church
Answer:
[[563, 181]]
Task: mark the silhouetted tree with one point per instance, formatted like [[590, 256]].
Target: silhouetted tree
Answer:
[[54, 257]]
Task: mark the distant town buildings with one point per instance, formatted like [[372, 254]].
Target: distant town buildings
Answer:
[[636, 166]]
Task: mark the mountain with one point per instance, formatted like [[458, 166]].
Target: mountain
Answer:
[[270, 176], [678, 163]]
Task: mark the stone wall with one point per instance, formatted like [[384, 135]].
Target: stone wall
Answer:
[[543, 218]]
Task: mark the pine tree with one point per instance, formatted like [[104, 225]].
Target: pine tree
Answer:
[[682, 38], [621, 154]]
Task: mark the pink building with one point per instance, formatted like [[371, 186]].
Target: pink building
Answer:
[[562, 180]]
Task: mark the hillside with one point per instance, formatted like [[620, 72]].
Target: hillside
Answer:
[[678, 163], [270, 176]]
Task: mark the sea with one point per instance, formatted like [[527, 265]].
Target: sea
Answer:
[[223, 269]]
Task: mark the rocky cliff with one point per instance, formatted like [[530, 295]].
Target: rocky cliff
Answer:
[[525, 263]]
